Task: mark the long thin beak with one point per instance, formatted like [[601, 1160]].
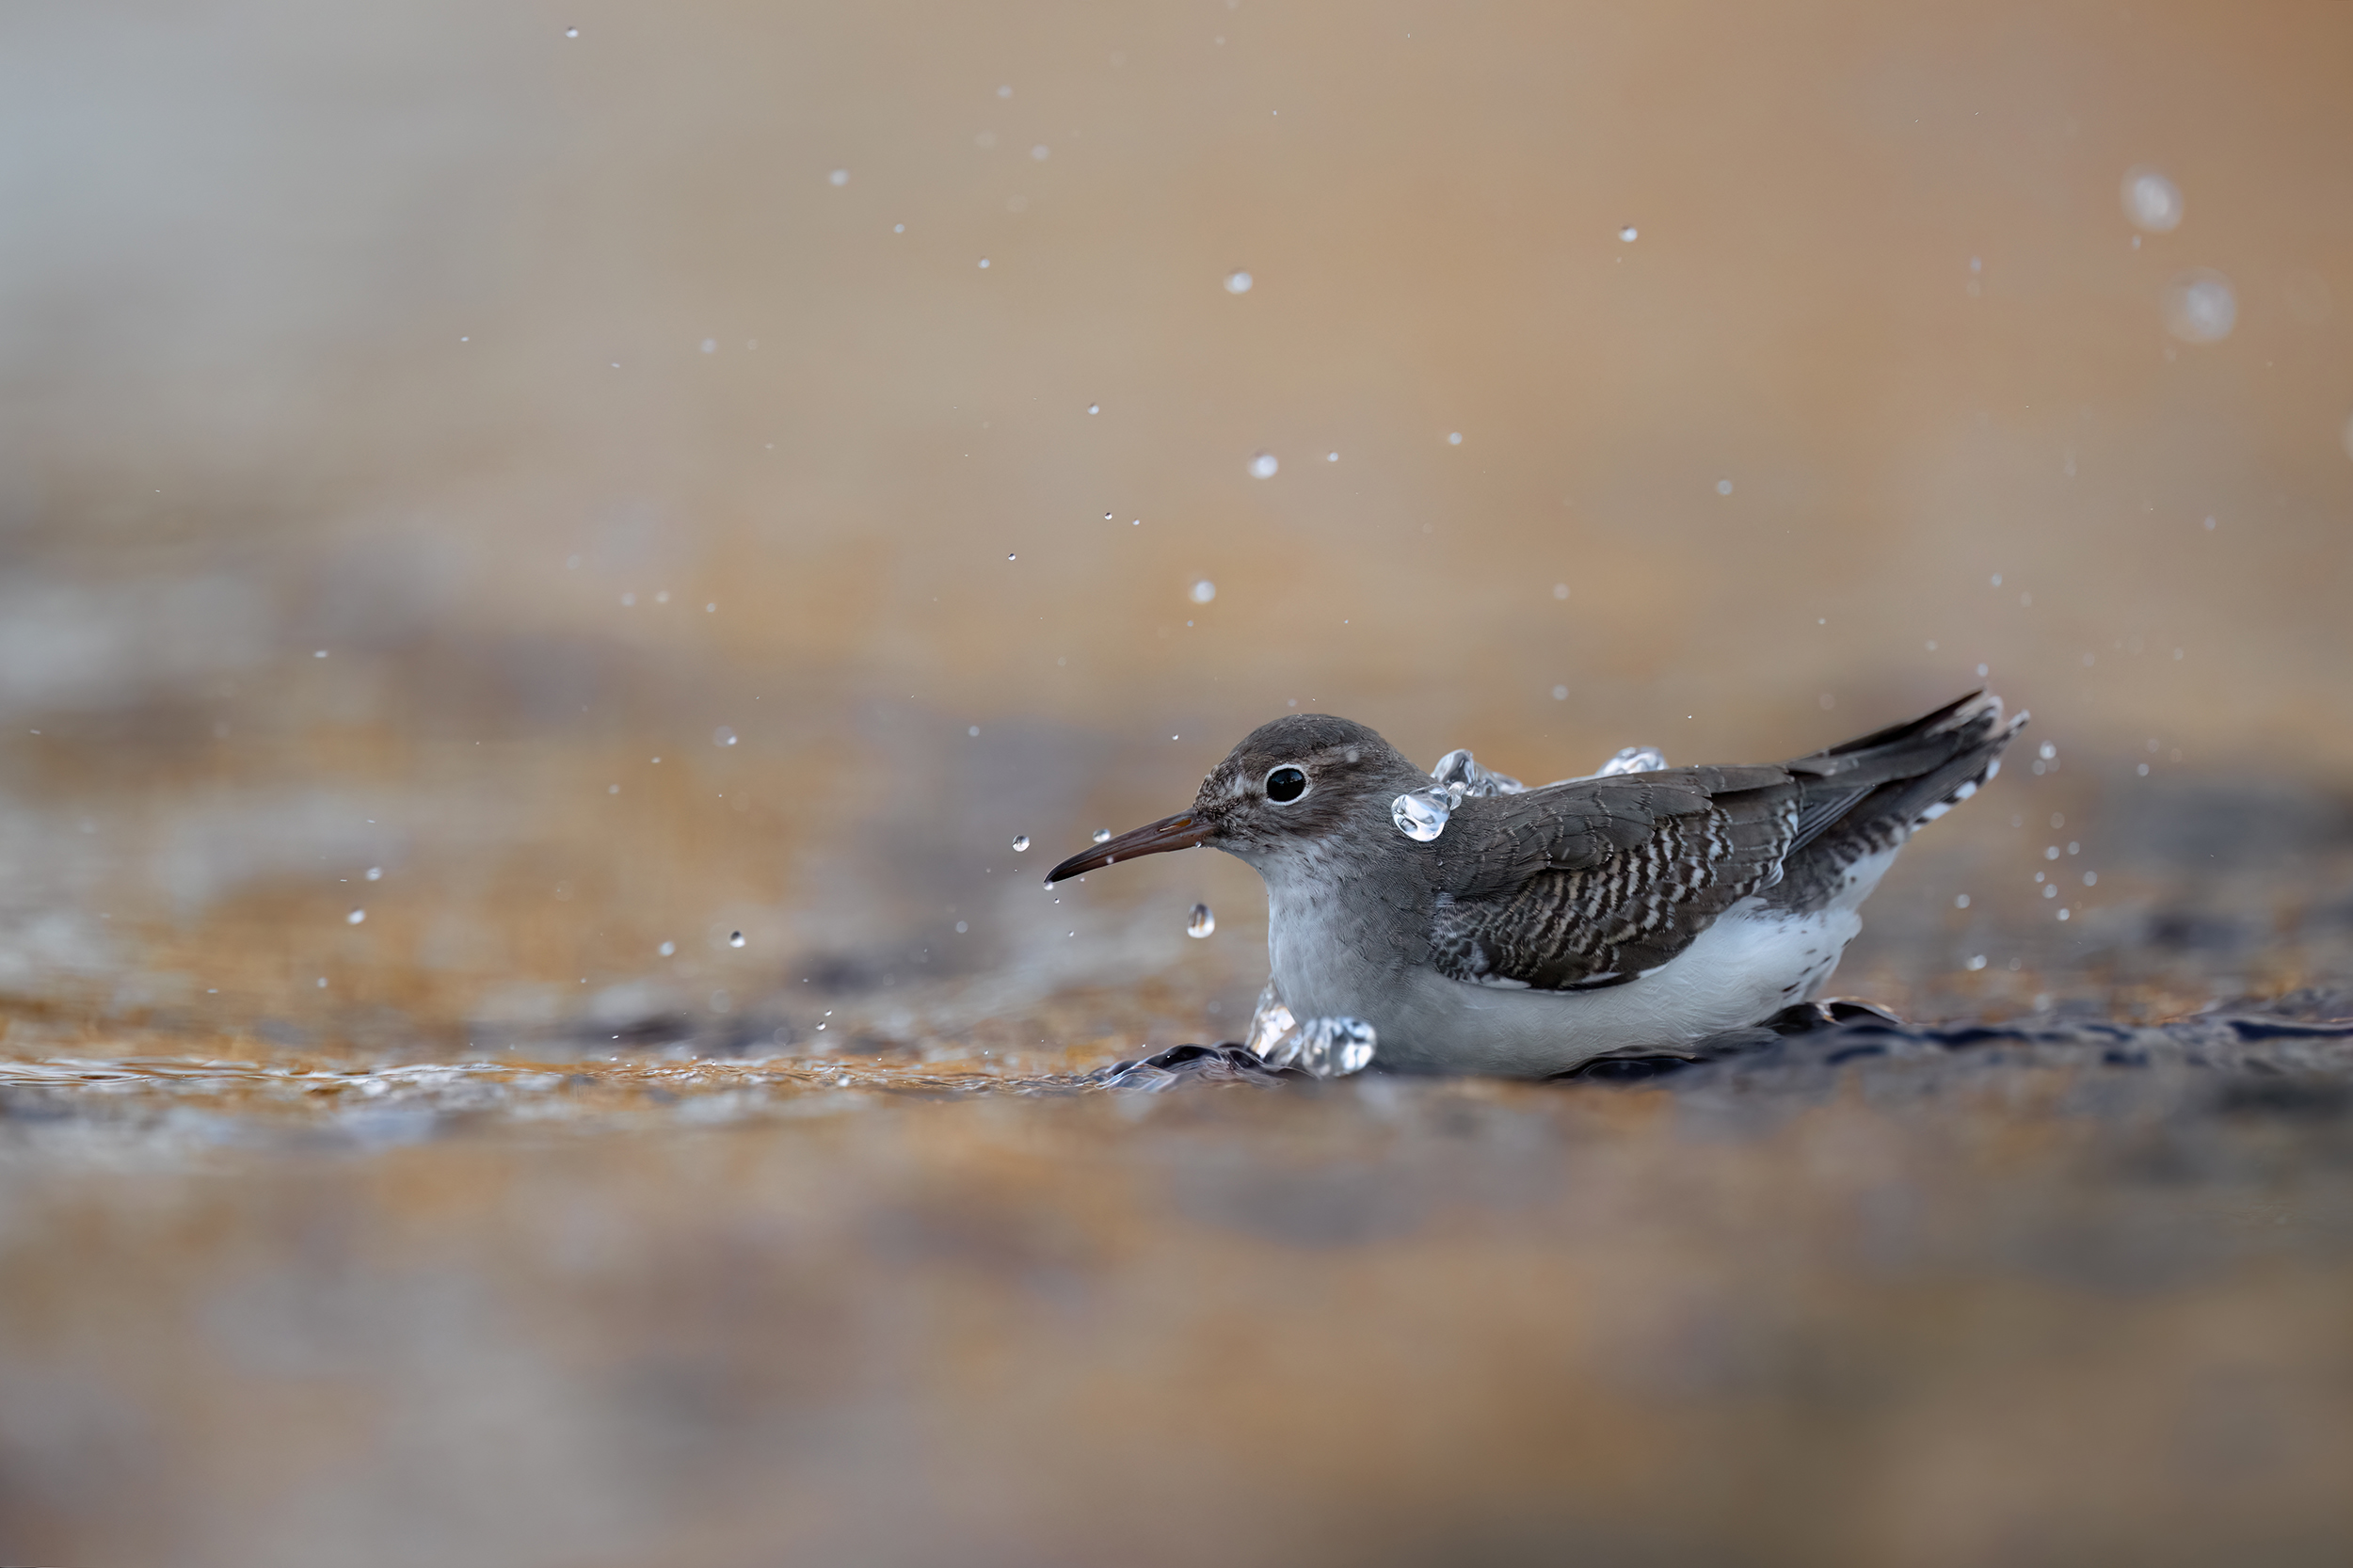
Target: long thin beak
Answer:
[[1181, 831]]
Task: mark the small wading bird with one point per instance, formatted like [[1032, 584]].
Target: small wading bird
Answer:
[[1481, 927]]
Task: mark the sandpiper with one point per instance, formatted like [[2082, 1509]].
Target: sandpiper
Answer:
[[1481, 927]]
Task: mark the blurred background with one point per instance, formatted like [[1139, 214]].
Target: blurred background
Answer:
[[587, 535]]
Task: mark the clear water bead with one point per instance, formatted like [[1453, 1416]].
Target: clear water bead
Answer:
[[1200, 923], [2151, 201], [1203, 591], [839, 177], [1559, 693], [1634, 760], [1020, 842], [1102, 835], [723, 736], [735, 939], [1097, 409], [356, 916], [666, 949], [2201, 306], [1628, 234], [1263, 466], [1421, 814], [375, 874], [1237, 282]]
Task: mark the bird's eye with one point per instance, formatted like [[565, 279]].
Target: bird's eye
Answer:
[[1285, 784]]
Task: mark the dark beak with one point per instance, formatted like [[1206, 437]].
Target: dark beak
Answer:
[[1181, 831]]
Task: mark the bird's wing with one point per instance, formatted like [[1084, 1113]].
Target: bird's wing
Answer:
[[1595, 881]]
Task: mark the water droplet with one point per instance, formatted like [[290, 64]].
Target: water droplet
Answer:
[[571, 32], [1421, 814], [1559, 693], [984, 262], [1559, 591], [839, 177], [1331, 457], [1004, 91], [666, 949], [723, 736], [1203, 591], [1102, 835], [1977, 963], [1041, 152], [375, 874], [1237, 282], [1454, 438], [2151, 201], [1269, 1021], [1263, 466], [625, 599], [1628, 234], [2199, 306], [961, 928], [735, 939], [1020, 842], [973, 729], [1009, 555], [1200, 923], [1107, 517], [1723, 486], [711, 346], [356, 916], [1097, 409]]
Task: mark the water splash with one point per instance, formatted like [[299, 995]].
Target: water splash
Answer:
[[1325, 1048], [735, 939], [1269, 1020], [1020, 842], [1263, 466], [1463, 776], [1238, 281], [1201, 922], [1634, 760], [1629, 234], [1102, 835], [1203, 591]]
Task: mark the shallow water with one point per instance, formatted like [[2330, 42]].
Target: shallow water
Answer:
[[544, 587]]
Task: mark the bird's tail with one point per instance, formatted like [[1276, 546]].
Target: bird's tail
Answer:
[[1888, 783]]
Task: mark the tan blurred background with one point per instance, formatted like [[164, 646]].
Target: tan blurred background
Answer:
[[498, 502], [391, 393]]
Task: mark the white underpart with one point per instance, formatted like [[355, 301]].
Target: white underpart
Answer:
[[1749, 963]]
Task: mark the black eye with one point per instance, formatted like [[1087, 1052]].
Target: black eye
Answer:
[[1285, 784]]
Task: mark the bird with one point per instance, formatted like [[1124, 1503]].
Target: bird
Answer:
[[1480, 927]]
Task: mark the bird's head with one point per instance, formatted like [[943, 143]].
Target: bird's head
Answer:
[[1292, 788]]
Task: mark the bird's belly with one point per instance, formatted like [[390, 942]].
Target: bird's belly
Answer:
[[1747, 966]]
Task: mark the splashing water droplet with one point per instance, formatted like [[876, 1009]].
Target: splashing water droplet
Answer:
[[1200, 923], [1237, 282], [1102, 835], [666, 949], [571, 32], [375, 874], [2151, 201], [839, 177], [1009, 555], [1559, 693], [723, 736], [735, 939], [1263, 466], [2200, 307], [356, 916], [1097, 409], [1723, 486], [1203, 592], [1020, 842], [1454, 438], [1421, 814], [1269, 1021], [1628, 234]]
